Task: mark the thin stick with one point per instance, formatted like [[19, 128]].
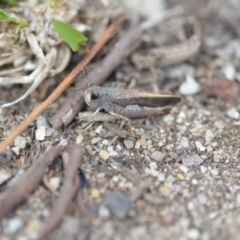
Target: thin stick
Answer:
[[20, 191], [72, 160], [65, 83]]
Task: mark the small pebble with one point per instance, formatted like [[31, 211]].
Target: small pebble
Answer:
[[40, 133], [214, 172], [96, 140], [153, 166], [193, 233], [158, 156], [103, 212], [202, 198], [42, 122], [20, 142], [238, 198], [209, 135], [165, 191], [129, 143], [63, 142], [79, 139], [161, 177], [99, 129], [137, 145], [180, 176], [105, 142], [13, 225], [55, 182], [111, 151], [199, 146], [95, 193], [143, 143], [219, 124], [184, 142], [233, 113], [104, 155], [49, 132], [190, 161], [190, 86], [203, 169], [145, 135], [183, 168], [16, 150]]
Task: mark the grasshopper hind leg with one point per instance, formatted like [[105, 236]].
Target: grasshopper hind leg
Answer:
[[125, 119]]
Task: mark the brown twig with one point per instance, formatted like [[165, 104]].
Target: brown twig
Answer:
[[65, 83], [72, 160], [123, 48], [20, 191]]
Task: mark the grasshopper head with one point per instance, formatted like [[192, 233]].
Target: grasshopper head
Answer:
[[92, 96]]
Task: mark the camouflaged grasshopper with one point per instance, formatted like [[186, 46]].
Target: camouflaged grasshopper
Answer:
[[128, 103]]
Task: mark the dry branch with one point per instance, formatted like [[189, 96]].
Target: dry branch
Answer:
[[72, 160], [20, 191]]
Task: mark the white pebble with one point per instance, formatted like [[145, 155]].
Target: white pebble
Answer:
[[55, 182], [40, 133], [63, 142], [161, 177], [209, 135], [199, 146], [103, 212], [183, 168], [137, 145], [98, 129], [203, 169], [190, 86], [105, 142], [214, 172], [20, 142], [233, 113], [111, 151], [42, 122], [79, 139], [193, 234], [219, 124], [119, 147], [16, 150], [229, 71], [184, 142], [13, 225], [95, 140], [153, 166]]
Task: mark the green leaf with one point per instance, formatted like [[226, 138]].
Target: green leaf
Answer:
[[12, 3], [69, 34], [5, 17]]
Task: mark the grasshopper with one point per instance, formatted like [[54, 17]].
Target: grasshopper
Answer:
[[128, 103]]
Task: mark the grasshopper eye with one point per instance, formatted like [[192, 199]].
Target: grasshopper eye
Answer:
[[94, 96], [91, 98]]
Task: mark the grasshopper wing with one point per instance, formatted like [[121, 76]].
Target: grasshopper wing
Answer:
[[146, 99]]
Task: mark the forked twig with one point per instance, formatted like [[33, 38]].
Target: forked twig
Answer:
[[65, 83]]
